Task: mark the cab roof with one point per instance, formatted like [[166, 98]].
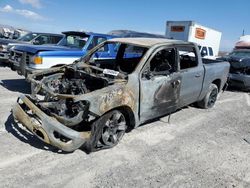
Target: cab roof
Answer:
[[147, 42]]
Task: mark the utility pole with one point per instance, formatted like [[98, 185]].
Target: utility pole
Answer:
[[243, 33]]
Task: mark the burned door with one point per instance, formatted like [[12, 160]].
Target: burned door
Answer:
[[192, 75], [159, 84]]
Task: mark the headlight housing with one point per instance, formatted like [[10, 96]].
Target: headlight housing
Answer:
[[3, 47], [38, 60]]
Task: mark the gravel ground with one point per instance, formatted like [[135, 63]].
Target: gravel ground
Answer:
[[198, 148]]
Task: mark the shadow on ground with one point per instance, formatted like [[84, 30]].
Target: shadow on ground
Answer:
[[23, 135], [17, 85], [2, 64], [236, 89]]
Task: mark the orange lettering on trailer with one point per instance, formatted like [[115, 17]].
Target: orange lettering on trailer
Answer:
[[200, 33], [177, 28]]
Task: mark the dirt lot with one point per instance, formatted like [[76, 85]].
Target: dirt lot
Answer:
[[199, 148]]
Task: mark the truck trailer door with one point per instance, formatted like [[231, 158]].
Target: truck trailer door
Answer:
[[159, 84]]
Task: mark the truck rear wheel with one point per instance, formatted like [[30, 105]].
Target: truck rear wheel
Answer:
[[210, 98], [107, 131]]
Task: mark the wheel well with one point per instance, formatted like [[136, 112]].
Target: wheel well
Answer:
[[217, 83], [129, 115]]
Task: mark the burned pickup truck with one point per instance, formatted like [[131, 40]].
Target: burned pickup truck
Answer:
[[91, 104]]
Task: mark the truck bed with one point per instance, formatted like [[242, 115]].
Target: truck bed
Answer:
[[209, 61], [215, 70]]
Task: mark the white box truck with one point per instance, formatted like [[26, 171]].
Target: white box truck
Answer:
[[207, 39]]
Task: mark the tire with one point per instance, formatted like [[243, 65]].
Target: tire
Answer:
[[12, 67], [210, 98], [107, 131]]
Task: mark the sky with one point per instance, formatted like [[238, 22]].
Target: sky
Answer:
[[228, 16]]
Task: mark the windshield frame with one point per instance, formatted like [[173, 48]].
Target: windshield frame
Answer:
[[63, 41], [22, 37], [83, 61], [236, 53]]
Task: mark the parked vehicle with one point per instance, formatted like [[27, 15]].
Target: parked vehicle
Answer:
[[239, 76], [6, 31], [207, 39], [92, 103], [9, 32], [27, 59], [30, 38], [243, 43], [18, 33]]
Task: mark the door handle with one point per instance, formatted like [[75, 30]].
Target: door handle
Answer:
[[176, 83], [198, 75]]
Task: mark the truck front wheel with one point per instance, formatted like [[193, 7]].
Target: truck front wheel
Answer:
[[107, 131], [210, 98]]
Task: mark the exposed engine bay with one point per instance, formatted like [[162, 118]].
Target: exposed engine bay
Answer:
[[54, 92]]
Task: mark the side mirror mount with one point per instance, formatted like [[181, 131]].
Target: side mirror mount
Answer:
[[147, 74]]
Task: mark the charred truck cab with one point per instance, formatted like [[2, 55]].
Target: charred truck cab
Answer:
[[92, 103]]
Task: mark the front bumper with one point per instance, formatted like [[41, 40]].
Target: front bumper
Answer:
[[21, 70], [19, 61], [46, 127], [15, 66], [239, 81], [4, 56], [29, 70]]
